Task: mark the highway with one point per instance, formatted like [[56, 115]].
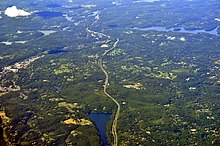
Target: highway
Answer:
[[115, 121], [106, 83]]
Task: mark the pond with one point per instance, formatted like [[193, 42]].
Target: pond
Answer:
[[57, 51], [48, 14], [179, 29], [101, 119]]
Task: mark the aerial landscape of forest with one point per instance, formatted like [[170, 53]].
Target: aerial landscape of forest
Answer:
[[110, 72]]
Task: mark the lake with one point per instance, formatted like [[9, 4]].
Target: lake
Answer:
[[101, 119], [56, 51], [48, 14], [179, 29]]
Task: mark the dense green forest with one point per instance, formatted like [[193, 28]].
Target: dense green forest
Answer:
[[167, 82]]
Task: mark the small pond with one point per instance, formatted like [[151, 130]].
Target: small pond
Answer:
[[101, 120]]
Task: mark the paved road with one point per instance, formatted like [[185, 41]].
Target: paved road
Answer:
[[100, 63], [114, 124]]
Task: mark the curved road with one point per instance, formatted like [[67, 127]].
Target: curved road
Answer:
[[114, 124], [100, 63]]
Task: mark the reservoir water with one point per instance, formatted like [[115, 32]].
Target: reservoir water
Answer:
[[48, 14], [179, 29], [101, 119]]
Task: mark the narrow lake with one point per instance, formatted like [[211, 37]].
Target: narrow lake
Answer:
[[179, 29], [48, 14], [101, 119]]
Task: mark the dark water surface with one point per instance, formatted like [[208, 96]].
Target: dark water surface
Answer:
[[101, 119], [56, 51], [48, 14], [180, 29]]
